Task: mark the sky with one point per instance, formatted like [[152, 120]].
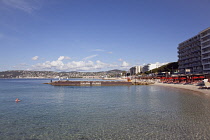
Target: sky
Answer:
[[96, 35]]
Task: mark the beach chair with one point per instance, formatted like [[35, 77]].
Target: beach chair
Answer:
[[207, 84]]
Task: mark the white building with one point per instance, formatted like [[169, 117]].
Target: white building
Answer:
[[136, 69], [149, 67]]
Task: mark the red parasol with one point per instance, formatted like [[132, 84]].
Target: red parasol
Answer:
[[182, 78], [195, 77], [201, 77]]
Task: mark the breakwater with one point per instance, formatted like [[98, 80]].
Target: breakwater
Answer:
[[90, 83], [99, 83], [142, 83]]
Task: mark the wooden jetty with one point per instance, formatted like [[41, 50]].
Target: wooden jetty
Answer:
[[90, 83]]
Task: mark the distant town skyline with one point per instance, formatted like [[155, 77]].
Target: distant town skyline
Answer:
[[95, 35]]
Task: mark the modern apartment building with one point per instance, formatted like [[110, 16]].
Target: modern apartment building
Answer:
[[205, 49], [136, 69], [194, 54]]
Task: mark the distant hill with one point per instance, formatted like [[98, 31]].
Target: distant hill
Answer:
[[115, 71], [51, 74], [27, 74]]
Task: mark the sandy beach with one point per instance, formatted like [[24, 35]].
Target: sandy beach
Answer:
[[187, 87]]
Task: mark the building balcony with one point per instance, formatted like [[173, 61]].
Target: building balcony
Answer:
[[196, 65], [205, 46], [204, 52], [202, 36], [206, 69], [205, 57], [204, 63], [203, 41]]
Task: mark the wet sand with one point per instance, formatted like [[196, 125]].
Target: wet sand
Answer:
[[187, 87]]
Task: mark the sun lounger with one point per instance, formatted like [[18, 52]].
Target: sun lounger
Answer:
[[207, 84]]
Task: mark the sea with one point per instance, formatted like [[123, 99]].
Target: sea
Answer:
[[143, 112]]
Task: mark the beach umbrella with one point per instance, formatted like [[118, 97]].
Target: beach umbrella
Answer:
[[183, 78], [201, 77], [195, 77]]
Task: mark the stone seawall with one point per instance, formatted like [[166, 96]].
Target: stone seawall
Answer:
[[142, 83], [90, 83]]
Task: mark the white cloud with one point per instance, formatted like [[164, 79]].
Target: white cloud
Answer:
[[89, 57], [63, 57], [125, 64], [73, 66], [35, 58], [24, 5], [120, 59], [82, 65], [56, 63]]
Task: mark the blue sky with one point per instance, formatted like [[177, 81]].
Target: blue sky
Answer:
[[95, 35]]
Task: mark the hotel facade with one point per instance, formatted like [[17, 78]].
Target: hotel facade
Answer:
[[194, 54]]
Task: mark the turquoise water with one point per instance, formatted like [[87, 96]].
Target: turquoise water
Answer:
[[100, 113]]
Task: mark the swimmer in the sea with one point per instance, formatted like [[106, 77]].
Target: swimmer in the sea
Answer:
[[17, 100]]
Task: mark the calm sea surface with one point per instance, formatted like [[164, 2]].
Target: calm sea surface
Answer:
[[100, 113]]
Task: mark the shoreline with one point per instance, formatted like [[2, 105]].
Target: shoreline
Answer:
[[186, 87]]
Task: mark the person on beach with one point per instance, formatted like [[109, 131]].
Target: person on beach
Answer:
[[17, 100]]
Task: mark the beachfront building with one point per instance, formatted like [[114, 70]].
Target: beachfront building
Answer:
[[194, 54], [190, 56], [135, 70], [205, 49]]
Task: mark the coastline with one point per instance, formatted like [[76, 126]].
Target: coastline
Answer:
[[186, 87]]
